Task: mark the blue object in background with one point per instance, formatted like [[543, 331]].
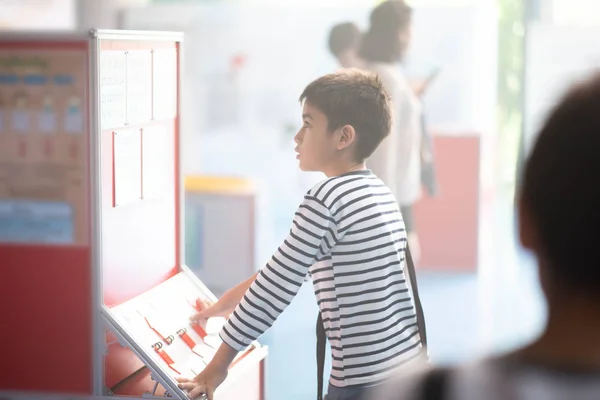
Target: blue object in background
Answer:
[[28, 221], [9, 79], [35, 79], [194, 231]]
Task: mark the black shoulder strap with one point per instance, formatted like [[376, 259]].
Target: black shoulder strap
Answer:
[[321, 339], [412, 275], [433, 386], [320, 356]]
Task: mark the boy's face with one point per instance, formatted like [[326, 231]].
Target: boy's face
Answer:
[[317, 148]]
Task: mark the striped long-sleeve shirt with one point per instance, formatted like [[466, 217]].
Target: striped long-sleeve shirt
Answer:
[[348, 234]]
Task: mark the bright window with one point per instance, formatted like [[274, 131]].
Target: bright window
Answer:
[[576, 12]]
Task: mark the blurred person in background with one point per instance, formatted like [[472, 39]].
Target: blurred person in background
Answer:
[[559, 216], [344, 43], [398, 159]]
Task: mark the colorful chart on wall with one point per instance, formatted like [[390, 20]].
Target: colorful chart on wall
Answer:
[[42, 145]]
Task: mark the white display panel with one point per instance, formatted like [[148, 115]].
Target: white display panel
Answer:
[[155, 320], [164, 64], [128, 166], [155, 162]]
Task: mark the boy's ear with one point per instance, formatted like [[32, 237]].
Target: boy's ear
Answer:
[[347, 137]]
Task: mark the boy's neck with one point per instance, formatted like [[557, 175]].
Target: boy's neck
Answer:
[[570, 338], [337, 170]]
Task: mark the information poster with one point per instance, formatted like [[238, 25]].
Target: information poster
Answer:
[[164, 63], [157, 166], [36, 221], [139, 86], [42, 146], [113, 89]]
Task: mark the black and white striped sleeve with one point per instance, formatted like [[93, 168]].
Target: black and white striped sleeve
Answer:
[[311, 237]]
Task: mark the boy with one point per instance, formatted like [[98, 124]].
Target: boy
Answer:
[[559, 216], [348, 235]]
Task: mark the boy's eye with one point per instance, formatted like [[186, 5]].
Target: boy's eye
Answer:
[[306, 124]]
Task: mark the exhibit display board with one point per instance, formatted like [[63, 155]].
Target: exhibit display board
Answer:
[[91, 272], [148, 295], [158, 322], [46, 271], [138, 122]]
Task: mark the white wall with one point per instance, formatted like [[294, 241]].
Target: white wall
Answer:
[[462, 41], [102, 14], [37, 14], [556, 57]]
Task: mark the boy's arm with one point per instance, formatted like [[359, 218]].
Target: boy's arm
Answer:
[[312, 236], [236, 294], [226, 303]]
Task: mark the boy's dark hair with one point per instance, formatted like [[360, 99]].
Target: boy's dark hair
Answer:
[[381, 43], [561, 188], [343, 37], [357, 98]]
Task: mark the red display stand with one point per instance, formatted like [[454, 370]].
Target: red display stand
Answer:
[[90, 235], [449, 224], [50, 300]]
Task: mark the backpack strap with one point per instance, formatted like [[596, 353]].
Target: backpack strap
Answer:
[[412, 276], [321, 339]]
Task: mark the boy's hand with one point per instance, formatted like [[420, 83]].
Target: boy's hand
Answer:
[[213, 375], [205, 382], [225, 305], [208, 310]]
